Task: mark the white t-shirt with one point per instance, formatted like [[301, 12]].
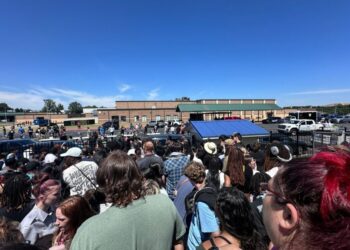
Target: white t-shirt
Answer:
[[272, 172], [77, 181]]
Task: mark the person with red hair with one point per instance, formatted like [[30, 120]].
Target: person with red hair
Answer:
[[70, 214], [307, 205]]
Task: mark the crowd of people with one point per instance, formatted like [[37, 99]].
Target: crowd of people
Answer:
[[134, 194], [42, 132]]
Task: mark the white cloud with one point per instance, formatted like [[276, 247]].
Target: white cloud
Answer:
[[153, 94], [318, 92], [34, 97], [21, 100], [124, 87]]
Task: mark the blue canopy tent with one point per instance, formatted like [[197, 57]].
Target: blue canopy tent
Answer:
[[213, 129]]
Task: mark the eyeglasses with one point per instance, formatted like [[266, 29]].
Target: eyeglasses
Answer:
[[280, 198]]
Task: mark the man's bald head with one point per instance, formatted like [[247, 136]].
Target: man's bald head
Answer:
[[148, 147]]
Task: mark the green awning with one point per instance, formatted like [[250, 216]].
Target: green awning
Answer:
[[225, 107]]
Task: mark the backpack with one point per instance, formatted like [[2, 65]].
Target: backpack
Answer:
[[207, 195]]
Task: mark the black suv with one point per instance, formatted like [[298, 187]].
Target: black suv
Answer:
[[160, 123], [272, 120], [108, 124]]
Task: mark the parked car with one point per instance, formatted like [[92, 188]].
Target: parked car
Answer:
[[152, 123], [337, 119], [160, 123], [299, 126], [346, 118], [162, 138], [341, 119], [232, 118], [272, 119], [42, 122], [288, 119], [175, 122], [108, 124]]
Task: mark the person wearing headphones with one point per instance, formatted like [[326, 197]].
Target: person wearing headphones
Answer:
[[276, 154]]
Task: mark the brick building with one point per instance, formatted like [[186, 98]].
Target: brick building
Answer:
[[126, 112]]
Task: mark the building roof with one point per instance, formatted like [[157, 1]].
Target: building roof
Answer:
[[225, 107], [213, 129], [11, 113]]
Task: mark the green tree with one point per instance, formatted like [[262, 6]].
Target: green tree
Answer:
[[90, 106], [49, 106], [59, 108], [19, 110], [75, 108], [4, 107]]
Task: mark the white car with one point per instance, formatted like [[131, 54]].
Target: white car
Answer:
[[175, 122], [295, 126]]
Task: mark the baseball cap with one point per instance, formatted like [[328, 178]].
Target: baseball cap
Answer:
[[131, 151], [50, 158], [73, 152]]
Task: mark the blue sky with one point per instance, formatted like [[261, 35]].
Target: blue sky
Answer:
[[96, 52]]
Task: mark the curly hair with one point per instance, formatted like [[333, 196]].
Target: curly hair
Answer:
[[120, 179], [236, 218], [16, 191], [195, 172]]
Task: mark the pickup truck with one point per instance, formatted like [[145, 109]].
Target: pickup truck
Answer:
[[301, 126], [42, 122]]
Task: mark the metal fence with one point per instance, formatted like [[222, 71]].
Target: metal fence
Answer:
[[306, 144], [301, 144]]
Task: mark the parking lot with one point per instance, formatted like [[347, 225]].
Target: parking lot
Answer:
[[273, 127]]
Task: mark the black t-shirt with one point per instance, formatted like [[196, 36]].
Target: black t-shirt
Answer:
[[145, 162], [18, 214], [11, 134]]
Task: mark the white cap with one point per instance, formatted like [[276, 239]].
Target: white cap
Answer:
[[73, 152], [50, 158], [131, 151]]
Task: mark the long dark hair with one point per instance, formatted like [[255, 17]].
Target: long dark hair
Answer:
[[154, 172], [236, 218], [213, 176], [16, 191], [120, 179], [257, 179]]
